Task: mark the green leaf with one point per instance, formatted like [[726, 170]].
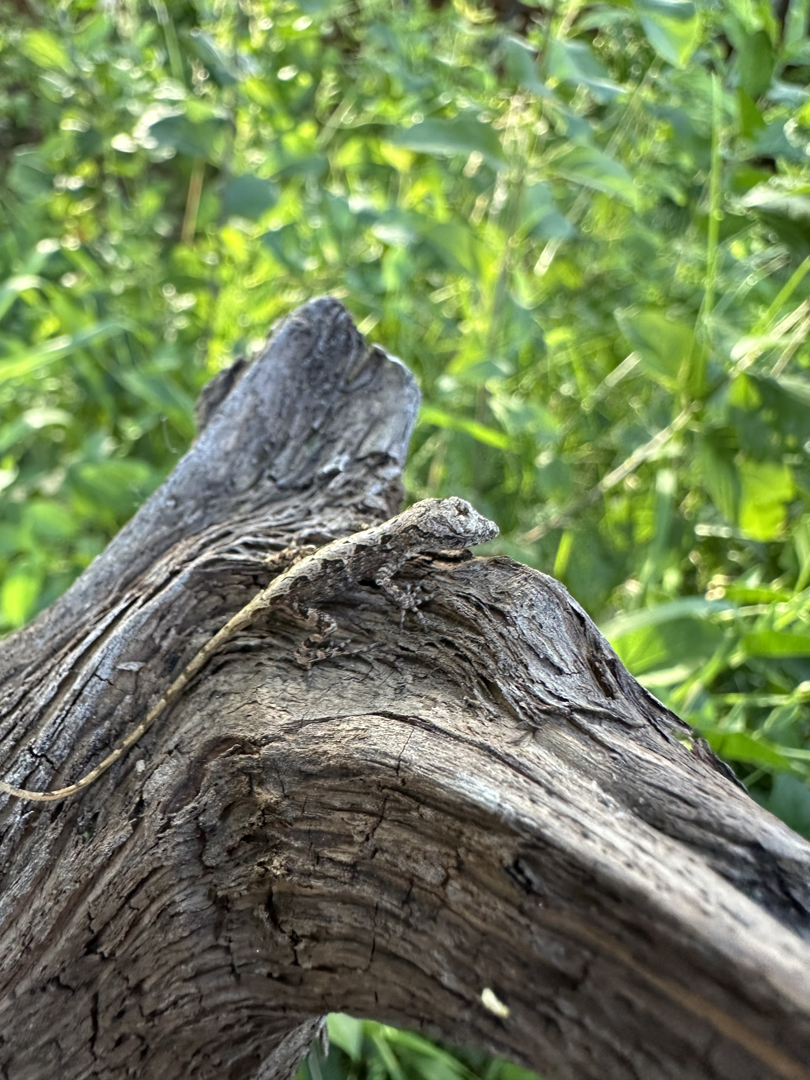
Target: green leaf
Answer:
[[196, 132], [783, 139], [539, 216], [388, 1057], [741, 593], [397, 269], [207, 51], [426, 1058], [346, 1033], [94, 33], [46, 51], [42, 416], [12, 287], [117, 485], [396, 229], [249, 197], [28, 360], [687, 607], [49, 520], [18, 595], [520, 417], [766, 488], [719, 476], [750, 118], [776, 643], [801, 541], [787, 212], [29, 176], [430, 415], [455, 244], [285, 244], [461, 135], [306, 166], [798, 387], [593, 169], [668, 636], [521, 64], [163, 395], [672, 28], [790, 800], [575, 62], [666, 346], [740, 746], [755, 61], [32, 420]]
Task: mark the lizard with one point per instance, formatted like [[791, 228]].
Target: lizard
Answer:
[[433, 527]]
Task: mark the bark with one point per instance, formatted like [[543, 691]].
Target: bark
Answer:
[[456, 812]]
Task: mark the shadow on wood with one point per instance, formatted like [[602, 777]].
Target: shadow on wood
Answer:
[[419, 786]]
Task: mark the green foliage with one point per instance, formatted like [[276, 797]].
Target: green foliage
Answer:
[[365, 1050], [590, 239]]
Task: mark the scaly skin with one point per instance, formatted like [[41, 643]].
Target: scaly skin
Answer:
[[430, 527]]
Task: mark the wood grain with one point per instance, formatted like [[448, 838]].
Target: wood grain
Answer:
[[469, 796]]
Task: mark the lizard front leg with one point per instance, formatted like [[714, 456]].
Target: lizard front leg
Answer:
[[407, 597]]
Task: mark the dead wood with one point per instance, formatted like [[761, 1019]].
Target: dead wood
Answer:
[[434, 797]]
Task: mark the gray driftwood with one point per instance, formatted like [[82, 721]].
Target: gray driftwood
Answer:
[[426, 792]]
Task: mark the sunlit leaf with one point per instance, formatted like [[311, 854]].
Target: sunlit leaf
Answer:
[[594, 169], [740, 746], [117, 485], [94, 32], [480, 432], [798, 386], [29, 176], [46, 50], [521, 63], [665, 345], [455, 244], [786, 211], [575, 62], [766, 488], [50, 520], [285, 244], [720, 477], [12, 287], [666, 635], [18, 595], [195, 131], [461, 135], [207, 50], [540, 216], [672, 27], [27, 360], [776, 643], [347, 1033]]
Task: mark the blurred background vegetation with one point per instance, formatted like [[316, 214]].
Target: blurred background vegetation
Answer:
[[585, 226]]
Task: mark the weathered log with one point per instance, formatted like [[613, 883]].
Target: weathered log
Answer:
[[431, 796]]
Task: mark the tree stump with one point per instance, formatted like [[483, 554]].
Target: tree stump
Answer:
[[431, 795]]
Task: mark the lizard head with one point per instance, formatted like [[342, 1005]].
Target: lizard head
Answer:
[[446, 525]]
